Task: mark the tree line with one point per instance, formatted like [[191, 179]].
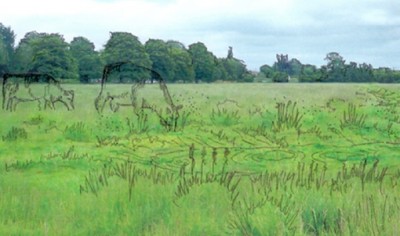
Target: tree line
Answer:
[[335, 70], [79, 61]]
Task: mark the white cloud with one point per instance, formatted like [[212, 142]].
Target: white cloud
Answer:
[[257, 29]]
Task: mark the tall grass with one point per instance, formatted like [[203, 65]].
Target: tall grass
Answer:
[[261, 164]]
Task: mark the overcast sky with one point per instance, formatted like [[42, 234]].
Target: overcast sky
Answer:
[[360, 30]]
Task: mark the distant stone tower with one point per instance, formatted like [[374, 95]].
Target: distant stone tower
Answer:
[[230, 53]]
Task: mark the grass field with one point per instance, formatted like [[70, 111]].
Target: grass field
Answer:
[[245, 159]]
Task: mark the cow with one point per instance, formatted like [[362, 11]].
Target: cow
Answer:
[[17, 88], [129, 98]]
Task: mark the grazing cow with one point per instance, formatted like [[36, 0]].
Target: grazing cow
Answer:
[[17, 88], [128, 98]]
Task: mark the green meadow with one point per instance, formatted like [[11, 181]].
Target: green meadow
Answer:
[[242, 159]]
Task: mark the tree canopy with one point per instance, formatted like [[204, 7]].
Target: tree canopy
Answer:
[[7, 40], [124, 46], [88, 59], [204, 62], [45, 53], [79, 60], [162, 61]]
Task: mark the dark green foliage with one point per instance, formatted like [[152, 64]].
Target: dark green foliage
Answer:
[[235, 69], [51, 56], [204, 62], [386, 75], [45, 53], [49, 53], [280, 77], [162, 60], [336, 70], [232, 69], [310, 73], [7, 39], [125, 47], [89, 62], [183, 65]]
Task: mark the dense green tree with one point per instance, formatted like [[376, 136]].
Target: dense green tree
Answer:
[[183, 65], [235, 69], [45, 53], [220, 72], [51, 55], [162, 61], [89, 63], [335, 69], [175, 44], [281, 77], [365, 73], [204, 62], [267, 70], [282, 63], [295, 67], [352, 72], [125, 47], [310, 73], [3, 59], [292, 68], [24, 52], [386, 75], [7, 40]]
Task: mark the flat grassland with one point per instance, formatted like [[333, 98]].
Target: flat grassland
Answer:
[[244, 159]]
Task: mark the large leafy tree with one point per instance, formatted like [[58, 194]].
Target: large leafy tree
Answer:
[[310, 73], [51, 55], [267, 71], [335, 69], [125, 47], [89, 63], [352, 73], [204, 62], [45, 53], [282, 64], [183, 65], [235, 69], [7, 40], [295, 67], [24, 52], [366, 73], [161, 58], [3, 59]]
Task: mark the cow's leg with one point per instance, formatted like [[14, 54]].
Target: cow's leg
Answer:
[[63, 102], [40, 104], [9, 104], [14, 104]]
